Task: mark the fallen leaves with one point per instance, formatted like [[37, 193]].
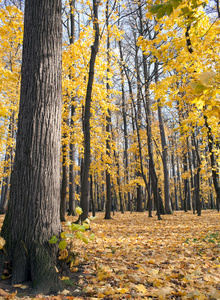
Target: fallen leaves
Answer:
[[3, 293], [136, 257]]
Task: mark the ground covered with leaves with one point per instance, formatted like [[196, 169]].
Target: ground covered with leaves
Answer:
[[136, 257]]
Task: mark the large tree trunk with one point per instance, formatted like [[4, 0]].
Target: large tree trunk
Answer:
[[33, 213]]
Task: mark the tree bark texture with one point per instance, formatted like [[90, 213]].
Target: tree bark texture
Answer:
[[84, 201], [64, 183], [215, 175], [168, 208], [33, 213], [72, 198], [108, 122], [154, 179], [125, 131]]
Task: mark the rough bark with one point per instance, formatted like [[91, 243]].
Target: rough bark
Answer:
[[7, 168], [108, 121], [197, 167], [72, 198], [168, 208], [91, 196], [215, 175], [154, 179], [179, 181], [33, 212], [5, 184], [174, 177], [116, 155], [125, 131], [185, 168], [64, 183], [72, 203]]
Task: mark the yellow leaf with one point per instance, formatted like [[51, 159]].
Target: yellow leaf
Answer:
[[141, 288], [63, 254], [78, 210], [122, 290], [109, 291], [2, 242]]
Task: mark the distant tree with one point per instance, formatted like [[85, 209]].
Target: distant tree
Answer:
[[84, 201], [33, 215]]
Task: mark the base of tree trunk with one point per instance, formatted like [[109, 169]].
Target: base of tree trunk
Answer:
[[37, 265]]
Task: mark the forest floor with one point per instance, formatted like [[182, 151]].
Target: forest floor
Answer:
[[136, 257]]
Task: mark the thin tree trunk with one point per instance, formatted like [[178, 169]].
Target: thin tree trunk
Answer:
[[168, 208], [191, 178], [84, 201], [185, 183], [197, 176], [108, 121], [5, 185], [72, 198], [215, 175], [174, 177], [91, 195], [153, 174], [125, 131], [64, 183]]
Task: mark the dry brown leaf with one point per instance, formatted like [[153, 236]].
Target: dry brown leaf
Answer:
[[3, 293]]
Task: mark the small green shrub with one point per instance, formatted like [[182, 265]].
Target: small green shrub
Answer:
[[77, 231]]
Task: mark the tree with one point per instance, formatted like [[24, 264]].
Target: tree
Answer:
[[72, 197], [33, 212], [84, 201], [10, 56]]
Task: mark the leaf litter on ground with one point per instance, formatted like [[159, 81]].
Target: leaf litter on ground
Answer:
[[136, 257]]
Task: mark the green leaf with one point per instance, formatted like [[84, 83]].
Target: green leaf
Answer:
[[62, 245], [74, 226], [169, 9], [79, 210], [155, 8], [86, 225], [92, 237], [79, 235], [82, 228], [199, 87], [185, 11], [69, 235], [92, 218], [161, 13], [63, 235], [53, 240], [85, 240], [68, 282], [176, 3]]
